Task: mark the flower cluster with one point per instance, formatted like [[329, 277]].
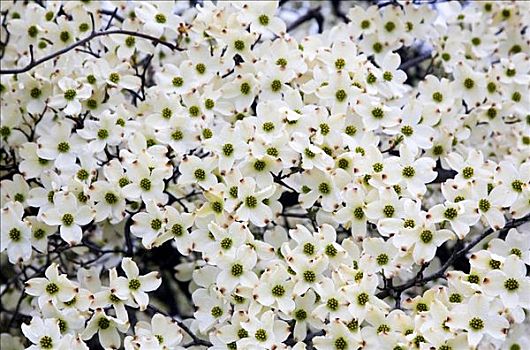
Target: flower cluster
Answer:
[[227, 177]]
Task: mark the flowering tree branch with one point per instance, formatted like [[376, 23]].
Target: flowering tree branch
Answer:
[[458, 252]]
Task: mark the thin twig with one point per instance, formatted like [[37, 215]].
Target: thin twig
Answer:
[[457, 253]]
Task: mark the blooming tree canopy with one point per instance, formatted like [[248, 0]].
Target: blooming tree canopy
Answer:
[[265, 175]]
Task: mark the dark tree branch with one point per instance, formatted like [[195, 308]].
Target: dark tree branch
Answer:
[[94, 35], [415, 61], [311, 14]]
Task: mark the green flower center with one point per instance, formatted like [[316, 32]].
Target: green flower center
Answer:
[[276, 85], [324, 188], [134, 284], [340, 63], [300, 314], [350, 130], [389, 211], [309, 248], [39, 233], [35, 92], [330, 250], [517, 186], [341, 344], [450, 213], [67, 219], [200, 68], [242, 333], [390, 26], [516, 251], [64, 36], [156, 224], [332, 304], [420, 307], [259, 165], [343, 163], [199, 174], [177, 81], [263, 20], [282, 62], [495, 264], [408, 171], [177, 135], [407, 130], [273, 151], [52, 288], [473, 279], [511, 284], [469, 83], [455, 298], [114, 78], [160, 18], [226, 243], [233, 191], [82, 174], [378, 167], [5, 131], [33, 31], [217, 207], [103, 323], [194, 111], [476, 324], [371, 78], [309, 276], [209, 104], [383, 328], [484, 205], [260, 335], [245, 88], [46, 342], [278, 290], [492, 87], [177, 230], [15, 235], [166, 113], [111, 198], [63, 147], [216, 312], [437, 96], [426, 236], [251, 202], [237, 270], [341, 95], [130, 41], [378, 113], [145, 184], [437, 150], [382, 259], [409, 223], [228, 149], [268, 126], [70, 94], [239, 45], [363, 298]]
